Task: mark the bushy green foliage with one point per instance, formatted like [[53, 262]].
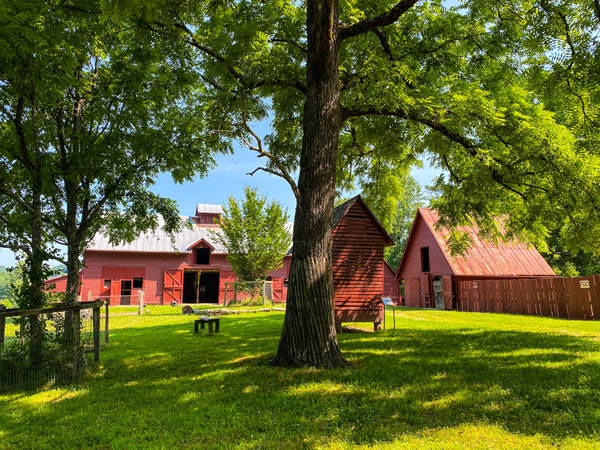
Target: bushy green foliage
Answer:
[[412, 198], [255, 235], [9, 279]]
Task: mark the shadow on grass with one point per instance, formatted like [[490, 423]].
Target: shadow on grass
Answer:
[[163, 385]]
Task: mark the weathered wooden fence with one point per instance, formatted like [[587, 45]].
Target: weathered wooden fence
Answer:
[[48, 362], [567, 298]]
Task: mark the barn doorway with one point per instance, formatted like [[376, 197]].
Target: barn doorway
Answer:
[[200, 286], [125, 292]]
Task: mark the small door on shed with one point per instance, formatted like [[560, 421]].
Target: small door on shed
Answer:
[[414, 292], [438, 292], [448, 292], [173, 286]]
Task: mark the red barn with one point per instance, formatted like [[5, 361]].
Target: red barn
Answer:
[[188, 267], [358, 264], [429, 271]]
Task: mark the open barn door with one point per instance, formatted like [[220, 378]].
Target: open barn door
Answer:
[[173, 286]]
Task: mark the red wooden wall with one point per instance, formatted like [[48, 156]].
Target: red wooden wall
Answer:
[[391, 286], [550, 297], [59, 283], [358, 267]]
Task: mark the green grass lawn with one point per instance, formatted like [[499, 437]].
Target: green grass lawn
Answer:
[[441, 380]]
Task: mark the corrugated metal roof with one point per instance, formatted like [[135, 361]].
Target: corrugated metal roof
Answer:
[[485, 258], [161, 242], [211, 209]]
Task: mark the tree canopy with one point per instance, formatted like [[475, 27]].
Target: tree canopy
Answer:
[[92, 110], [255, 234]]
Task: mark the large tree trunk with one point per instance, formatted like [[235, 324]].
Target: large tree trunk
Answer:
[[309, 337]]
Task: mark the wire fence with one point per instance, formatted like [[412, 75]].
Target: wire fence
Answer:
[[247, 292], [49, 346]]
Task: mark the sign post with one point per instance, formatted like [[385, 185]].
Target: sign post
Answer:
[[388, 302]]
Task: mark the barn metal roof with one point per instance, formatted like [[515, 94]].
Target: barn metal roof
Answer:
[[485, 258], [161, 242], [206, 208]]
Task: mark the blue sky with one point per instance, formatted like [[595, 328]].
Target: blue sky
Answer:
[[227, 179]]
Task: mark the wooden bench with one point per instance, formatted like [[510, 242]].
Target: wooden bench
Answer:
[[202, 321]]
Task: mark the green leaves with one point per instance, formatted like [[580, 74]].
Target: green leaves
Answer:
[[255, 235]]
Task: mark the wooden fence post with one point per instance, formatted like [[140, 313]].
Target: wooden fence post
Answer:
[[235, 294], [106, 322], [76, 328], [141, 296], [2, 326], [264, 291], [96, 324]]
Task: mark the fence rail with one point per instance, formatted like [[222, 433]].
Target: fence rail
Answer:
[[567, 298]]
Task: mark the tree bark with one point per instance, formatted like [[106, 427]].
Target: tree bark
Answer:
[[309, 337]]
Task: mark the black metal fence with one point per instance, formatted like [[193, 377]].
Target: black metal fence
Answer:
[[49, 346]]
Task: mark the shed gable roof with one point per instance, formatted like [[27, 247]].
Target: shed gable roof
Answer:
[[340, 211], [483, 258]]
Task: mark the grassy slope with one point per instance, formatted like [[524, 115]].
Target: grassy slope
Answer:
[[440, 380]]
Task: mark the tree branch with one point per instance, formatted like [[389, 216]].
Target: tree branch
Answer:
[[281, 172], [289, 41], [381, 20], [415, 117]]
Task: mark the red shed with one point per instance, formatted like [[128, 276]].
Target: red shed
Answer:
[[358, 264], [429, 271]]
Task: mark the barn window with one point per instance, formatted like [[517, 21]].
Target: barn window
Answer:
[[285, 281], [203, 256], [106, 284], [424, 259], [138, 283]]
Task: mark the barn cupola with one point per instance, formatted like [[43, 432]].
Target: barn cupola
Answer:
[[207, 215]]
